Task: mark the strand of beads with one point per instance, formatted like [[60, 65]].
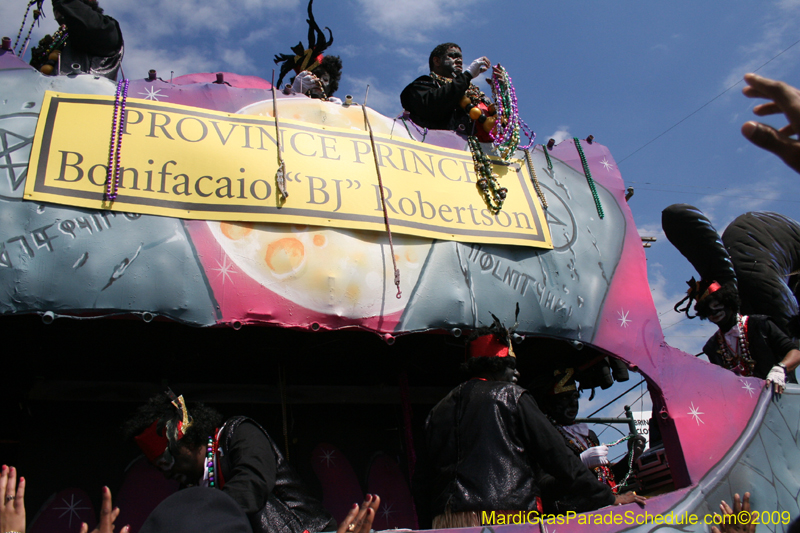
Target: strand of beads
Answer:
[[547, 156], [115, 150], [535, 178], [589, 177], [210, 463], [493, 194], [506, 132], [22, 27]]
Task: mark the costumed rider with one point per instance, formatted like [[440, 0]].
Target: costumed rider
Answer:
[[445, 99], [317, 75], [487, 440], [87, 41], [747, 345], [558, 397], [193, 446]]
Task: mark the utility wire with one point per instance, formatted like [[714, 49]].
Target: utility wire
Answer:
[[614, 400], [702, 106]]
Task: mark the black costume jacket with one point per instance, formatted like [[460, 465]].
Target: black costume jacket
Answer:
[[768, 346], [487, 442], [436, 105], [94, 41], [260, 480]]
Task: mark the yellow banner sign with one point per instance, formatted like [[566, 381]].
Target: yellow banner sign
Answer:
[[187, 162]]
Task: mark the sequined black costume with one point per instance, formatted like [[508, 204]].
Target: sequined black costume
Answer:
[[257, 476], [767, 344], [435, 104], [94, 43], [488, 441]]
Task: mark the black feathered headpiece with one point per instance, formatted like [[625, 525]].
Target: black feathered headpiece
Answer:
[[305, 58], [690, 231]]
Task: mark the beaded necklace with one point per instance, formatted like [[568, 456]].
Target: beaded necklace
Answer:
[[505, 134], [115, 149], [738, 360], [210, 454], [589, 178], [493, 194], [40, 55]]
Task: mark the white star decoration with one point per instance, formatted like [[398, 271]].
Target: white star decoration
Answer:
[[225, 269], [749, 388], [153, 94], [71, 508], [695, 412], [608, 166], [386, 511], [623, 318], [327, 456]]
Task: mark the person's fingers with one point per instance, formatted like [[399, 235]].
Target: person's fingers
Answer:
[[725, 508], [12, 485], [787, 130], [768, 138], [349, 519], [3, 483], [746, 502], [715, 529], [19, 501], [737, 503], [125, 529], [770, 108], [376, 502], [751, 92], [782, 94], [366, 525], [84, 528]]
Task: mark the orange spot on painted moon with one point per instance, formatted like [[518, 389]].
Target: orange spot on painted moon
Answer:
[[236, 231], [319, 240], [284, 255]]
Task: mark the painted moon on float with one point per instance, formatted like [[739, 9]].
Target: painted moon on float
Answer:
[[339, 272]]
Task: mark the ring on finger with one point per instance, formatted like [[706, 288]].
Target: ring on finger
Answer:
[[351, 527], [10, 497]]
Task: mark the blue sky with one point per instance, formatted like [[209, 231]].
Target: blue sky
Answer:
[[623, 71]]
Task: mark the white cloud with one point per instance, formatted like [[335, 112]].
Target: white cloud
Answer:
[[413, 20], [778, 31], [561, 134]]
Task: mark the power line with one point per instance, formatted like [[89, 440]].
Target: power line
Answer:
[[615, 399], [702, 106]]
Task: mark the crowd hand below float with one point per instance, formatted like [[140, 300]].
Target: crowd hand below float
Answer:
[[359, 520], [12, 506], [306, 81], [738, 507], [595, 456], [784, 99], [108, 514]]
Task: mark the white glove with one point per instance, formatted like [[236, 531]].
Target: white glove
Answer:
[[777, 376], [481, 64], [594, 457], [305, 81]]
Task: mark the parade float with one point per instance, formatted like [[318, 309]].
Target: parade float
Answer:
[[212, 206]]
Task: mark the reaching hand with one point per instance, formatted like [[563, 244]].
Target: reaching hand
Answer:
[[734, 526], [630, 497], [786, 100], [595, 456], [481, 64], [360, 520], [12, 501], [637, 444], [108, 514]]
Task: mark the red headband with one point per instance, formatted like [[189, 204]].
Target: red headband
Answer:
[[151, 443], [714, 287], [489, 346]]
